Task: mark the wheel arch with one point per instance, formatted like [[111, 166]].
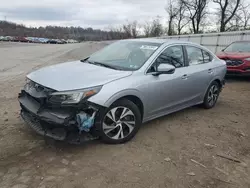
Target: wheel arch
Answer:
[[218, 80], [137, 101], [132, 95]]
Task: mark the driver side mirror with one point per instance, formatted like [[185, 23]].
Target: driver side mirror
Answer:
[[165, 69]]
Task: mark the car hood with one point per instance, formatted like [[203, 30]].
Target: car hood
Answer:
[[236, 55], [75, 75]]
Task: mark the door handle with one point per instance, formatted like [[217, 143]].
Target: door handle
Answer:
[[184, 77], [210, 71]]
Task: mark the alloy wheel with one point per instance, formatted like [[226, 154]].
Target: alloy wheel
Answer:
[[118, 123], [213, 95]]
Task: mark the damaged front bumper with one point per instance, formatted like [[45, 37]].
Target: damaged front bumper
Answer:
[[57, 122]]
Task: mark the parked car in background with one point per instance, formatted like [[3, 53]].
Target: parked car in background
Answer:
[[63, 41], [35, 40], [43, 40], [20, 39], [29, 39], [71, 41], [52, 41], [112, 92], [7, 38], [32, 39], [60, 41], [237, 57]]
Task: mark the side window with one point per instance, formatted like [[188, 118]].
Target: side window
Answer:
[[195, 55], [207, 56], [172, 55]]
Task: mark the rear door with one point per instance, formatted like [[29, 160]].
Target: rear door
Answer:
[[200, 71]]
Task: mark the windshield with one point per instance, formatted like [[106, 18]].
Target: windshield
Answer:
[[238, 47], [125, 55]]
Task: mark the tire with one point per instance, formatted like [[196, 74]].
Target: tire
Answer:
[[212, 95], [119, 123]]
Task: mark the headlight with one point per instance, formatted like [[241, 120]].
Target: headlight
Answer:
[[247, 59], [28, 84], [73, 97]]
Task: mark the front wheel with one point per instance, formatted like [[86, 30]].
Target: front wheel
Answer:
[[120, 122], [212, 95]]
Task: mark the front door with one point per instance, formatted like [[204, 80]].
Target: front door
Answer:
[[167, 91]]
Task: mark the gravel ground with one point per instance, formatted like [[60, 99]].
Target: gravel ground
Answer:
[[177, 151]]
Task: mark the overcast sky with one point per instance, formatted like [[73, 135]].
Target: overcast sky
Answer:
[[85, 13]]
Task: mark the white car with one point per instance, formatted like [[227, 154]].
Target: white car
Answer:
[[111, 93]]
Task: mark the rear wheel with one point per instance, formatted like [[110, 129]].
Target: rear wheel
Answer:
[[212, 95], [120, 122]]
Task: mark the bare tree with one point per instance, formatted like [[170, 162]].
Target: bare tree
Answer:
[[78, 33], [156, 28], [181, 17], [153, 29], [131, 29], [115, 32], [244, 10], [172, 11], [235, 24], [127, 30], [240, 20], [147, 27], [227, 9], [134, 29], [196, 12]]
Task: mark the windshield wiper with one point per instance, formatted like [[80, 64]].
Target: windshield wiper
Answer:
[[84, 60], [102, 64]]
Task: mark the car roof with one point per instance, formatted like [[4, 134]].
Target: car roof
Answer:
[[160, 41], [166, 42]]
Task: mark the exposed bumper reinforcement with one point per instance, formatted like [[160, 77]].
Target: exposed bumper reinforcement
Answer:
[[57, 133]]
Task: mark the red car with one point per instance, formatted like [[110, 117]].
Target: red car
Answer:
[[20, 39], [237, 57]]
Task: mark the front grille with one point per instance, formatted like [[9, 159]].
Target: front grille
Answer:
[[41, 101], [38, 88], [37, 92], [233, 62]]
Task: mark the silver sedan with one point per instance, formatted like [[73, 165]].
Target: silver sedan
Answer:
[[111, 93]]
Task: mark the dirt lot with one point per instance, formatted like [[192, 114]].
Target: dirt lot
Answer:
[[176, 151]]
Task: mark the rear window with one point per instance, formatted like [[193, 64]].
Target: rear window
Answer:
[[195, 55], [207, 56], [198, 56]]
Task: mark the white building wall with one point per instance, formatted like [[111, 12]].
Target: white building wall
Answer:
[[213, 41]]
